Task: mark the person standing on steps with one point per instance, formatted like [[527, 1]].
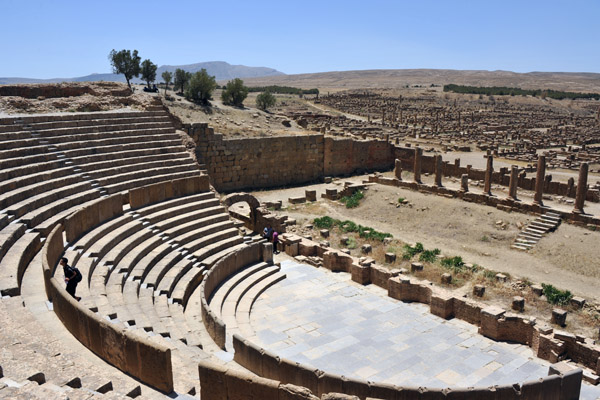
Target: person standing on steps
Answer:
[[72, 277], [275, 242]]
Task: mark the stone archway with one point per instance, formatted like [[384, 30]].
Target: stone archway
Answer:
[[252, 201]]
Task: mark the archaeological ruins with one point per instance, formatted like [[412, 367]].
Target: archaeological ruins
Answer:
[[182, 297]]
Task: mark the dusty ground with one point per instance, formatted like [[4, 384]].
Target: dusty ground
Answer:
[[248, 121], [100, 96]]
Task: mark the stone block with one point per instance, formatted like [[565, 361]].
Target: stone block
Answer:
[[297, 200], [361, 273], [416, 267], [559, 317], [267, 253], [311, 195], [366, 248], [501, 277], [446, 278], [518, 303], [478, 290], [390, 258], [537, 290], [578, 302], [344, 240], [324, 233]]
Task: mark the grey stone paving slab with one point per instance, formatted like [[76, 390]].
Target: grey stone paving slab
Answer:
[[325, 320]]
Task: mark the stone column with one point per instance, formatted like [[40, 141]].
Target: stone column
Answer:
[[438, 171], [417, 166], [464, 183], [581, 189], [398, 169], [512, 186], [539, 180], [487, 186], [571, 187]]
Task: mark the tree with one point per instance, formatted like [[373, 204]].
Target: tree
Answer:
[[123, 62], [234, 93], [201, 87], [148, 72], [167, 76], [181, 79], [265, 100]]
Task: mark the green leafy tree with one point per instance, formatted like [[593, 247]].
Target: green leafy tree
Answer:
[[167, 76], [148, 72], [126, 63], [201, 87], [235, 93], [265, 100], [181, 79]]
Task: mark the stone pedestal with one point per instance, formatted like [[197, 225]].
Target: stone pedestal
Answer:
[[446, 278], [390, 258], [416, 267], [518, 303], [559, 317], [267, 253], [311, 195], [478, 290]]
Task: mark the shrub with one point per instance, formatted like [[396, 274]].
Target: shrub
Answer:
[[401, 200], [556, 296], [410, 252], [201, 87], [265, 100], [354, 200], [429, 255], [234, 93], [352, 243], [324, 222], [455, 263]]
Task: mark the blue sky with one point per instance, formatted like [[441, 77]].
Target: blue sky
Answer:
[[49, 39]]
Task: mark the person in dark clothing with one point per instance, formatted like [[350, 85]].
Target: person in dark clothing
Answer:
[[275, 242], [72, 277]]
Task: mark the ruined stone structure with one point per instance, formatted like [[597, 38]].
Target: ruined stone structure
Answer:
[[117, 194]]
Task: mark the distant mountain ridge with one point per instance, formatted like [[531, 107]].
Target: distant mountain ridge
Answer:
[[221, 70]]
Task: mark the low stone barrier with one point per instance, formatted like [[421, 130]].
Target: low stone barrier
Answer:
[[126, 350], [223, 268], [91, 215], [561, 384]]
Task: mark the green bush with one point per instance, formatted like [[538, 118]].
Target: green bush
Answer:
[[352, 243], [354, 200], [200, 87], [410, 252], [348, 226], [429, 255], [556, 296], [455, 263], [324, 222]]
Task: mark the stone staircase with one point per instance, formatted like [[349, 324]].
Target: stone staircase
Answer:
[[535, 230]]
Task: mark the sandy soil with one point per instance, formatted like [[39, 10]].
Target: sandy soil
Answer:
[[567, 258]]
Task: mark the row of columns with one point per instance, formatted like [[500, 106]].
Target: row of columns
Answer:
[[580, 196]]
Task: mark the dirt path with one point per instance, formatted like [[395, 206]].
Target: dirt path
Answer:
[[568, 258]]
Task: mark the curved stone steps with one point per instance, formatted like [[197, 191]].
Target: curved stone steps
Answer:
[[222, 292], [45, 218], [94, 140], [17, 189], [25, 169], [155, 212], [50, 128], [117, 148], [112, 163], [38, 329], [95, 133], [87, 240], [242, 315], [14, 263], [133, 167], [89, 159], [176, 173], [41, 196]]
